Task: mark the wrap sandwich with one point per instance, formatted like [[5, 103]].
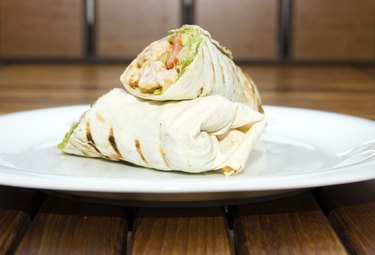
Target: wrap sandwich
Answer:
[[207, 133], [188, 64]]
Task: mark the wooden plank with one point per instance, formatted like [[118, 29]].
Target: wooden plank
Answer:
[[361, 104], [59, 75], [333, 30], [339, 78], [369, 70], [42, 85], [293, 225], [351, 211], [16, 207], [181, 231], [124, 28], [249, 28], [341, 88], [42, 28], [68, 227]]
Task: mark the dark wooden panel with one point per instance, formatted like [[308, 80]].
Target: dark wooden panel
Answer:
[[16, 205], [351, 210], [249, 28], [67, 227], [124, 28], [42, 28], [333, 30], [292, 225], [181, 231]]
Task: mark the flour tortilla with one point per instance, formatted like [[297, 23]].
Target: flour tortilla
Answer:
[[212, 72], [207, 133]]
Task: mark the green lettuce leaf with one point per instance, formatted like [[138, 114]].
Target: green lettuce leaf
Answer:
[[67, 135], [74, 125], [191, 39]]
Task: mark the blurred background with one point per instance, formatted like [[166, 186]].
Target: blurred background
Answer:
[[285, 45], [255, 30]]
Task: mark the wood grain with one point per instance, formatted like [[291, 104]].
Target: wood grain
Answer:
[[369, 70], [56, 30], [333, 30], [181, 231], [26, 86], [343, 89], [247, 27], [351, 210], [68, 76], [292, 225], [124, 28], [16, 208], [359, 104], [314, 78], [68, 227]]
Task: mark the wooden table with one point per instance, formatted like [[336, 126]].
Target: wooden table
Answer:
[[329, 220]]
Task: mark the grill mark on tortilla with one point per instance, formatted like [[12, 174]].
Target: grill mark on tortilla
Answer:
[[222, 73], [212, 62], [139, 150], [89, 138], [112, 141], [100, 117], [214, 71], [163, 156], [200, 92], [235, 73]]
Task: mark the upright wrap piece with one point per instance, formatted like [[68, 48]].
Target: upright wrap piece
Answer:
[[185, 65]]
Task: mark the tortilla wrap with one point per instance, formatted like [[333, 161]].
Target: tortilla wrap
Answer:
[[207, 133], [208, 70]]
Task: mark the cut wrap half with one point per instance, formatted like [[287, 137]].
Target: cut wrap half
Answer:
[[208, 133], [188, 64]]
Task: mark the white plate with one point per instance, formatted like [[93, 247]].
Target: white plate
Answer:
[[299, 149]]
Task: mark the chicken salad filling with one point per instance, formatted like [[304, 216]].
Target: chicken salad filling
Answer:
[[164, 62]]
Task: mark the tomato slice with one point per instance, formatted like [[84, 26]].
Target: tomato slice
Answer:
[[176, 48]]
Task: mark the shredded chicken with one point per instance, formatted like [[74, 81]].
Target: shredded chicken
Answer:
[[133, 77], [155, 68], [155, 75], [155, 51]]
